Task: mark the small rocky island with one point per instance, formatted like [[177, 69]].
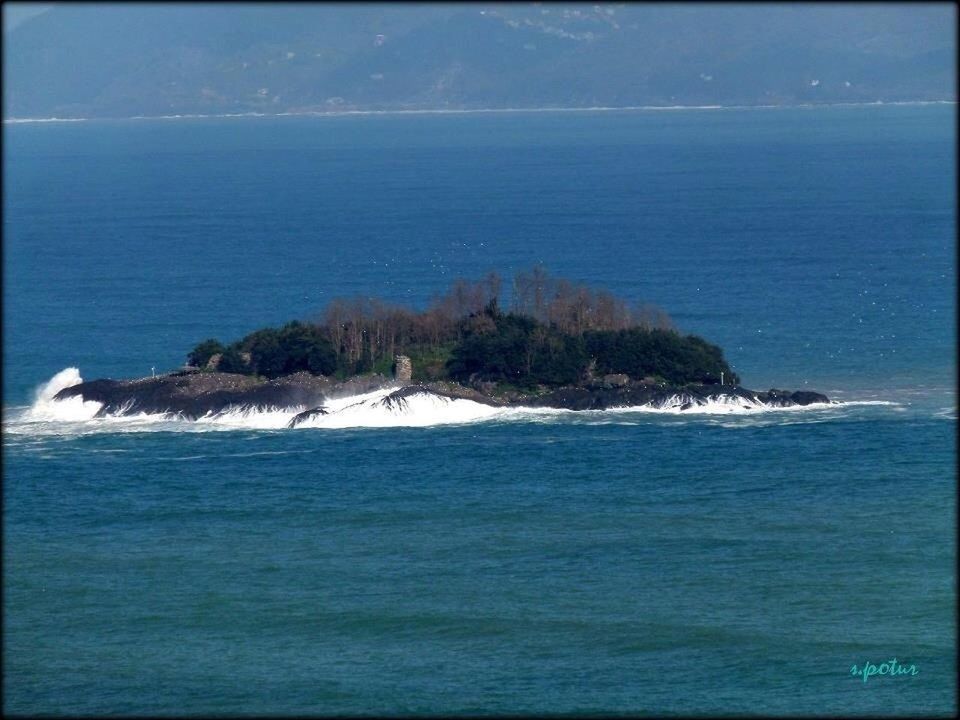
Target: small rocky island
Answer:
[[561, 345]]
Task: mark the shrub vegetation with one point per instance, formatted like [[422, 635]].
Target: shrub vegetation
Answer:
[[202, 353], [554, 333]]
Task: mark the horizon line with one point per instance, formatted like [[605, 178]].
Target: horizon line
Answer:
[[469, 111]]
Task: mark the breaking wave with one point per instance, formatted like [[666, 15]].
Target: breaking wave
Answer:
[[377, 409], [46, 409]]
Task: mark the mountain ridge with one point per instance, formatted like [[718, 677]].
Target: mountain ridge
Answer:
[[154, 60]]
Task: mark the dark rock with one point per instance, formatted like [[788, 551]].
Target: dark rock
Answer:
[[196, 395], [193, 395], [616, 380], [357, 385], [639, 394], [486, 387], [306, 415], [807, 397], [450, 390]]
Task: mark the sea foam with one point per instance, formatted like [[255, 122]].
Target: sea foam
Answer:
[[75, 409], [376, 409]]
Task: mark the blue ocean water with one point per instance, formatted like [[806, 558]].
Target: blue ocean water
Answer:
[[622, 562]]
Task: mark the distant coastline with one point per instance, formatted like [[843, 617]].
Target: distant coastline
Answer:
[[475, 111]]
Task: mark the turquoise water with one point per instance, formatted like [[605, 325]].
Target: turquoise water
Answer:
[[624, 562]]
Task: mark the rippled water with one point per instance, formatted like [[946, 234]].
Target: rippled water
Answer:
[[466, 562]]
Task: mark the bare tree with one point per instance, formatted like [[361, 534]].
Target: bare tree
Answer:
[[522, 299], [541, 283], [360, 328], [334, 317], [493, 284]]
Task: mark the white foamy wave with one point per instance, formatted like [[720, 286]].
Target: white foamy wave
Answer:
[[720, 405], [68, 377], [251, 418], [416, 410], [74, 409], [376, 409]]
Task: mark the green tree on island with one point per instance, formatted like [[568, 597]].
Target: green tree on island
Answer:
[[556, 333]]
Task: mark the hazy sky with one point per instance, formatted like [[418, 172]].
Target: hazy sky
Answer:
[[15, 13]]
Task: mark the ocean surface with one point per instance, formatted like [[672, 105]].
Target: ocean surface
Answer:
[[450, 559]]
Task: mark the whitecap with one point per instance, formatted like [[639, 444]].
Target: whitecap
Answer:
[[377, 409]]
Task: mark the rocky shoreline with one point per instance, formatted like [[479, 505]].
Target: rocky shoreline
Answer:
[[195, 394]]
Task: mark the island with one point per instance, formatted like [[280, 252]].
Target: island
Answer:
[[560, 345]]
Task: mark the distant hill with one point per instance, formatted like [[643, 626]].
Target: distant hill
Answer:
[[119, 60], [14, 13]]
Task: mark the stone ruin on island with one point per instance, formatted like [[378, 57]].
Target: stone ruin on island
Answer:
[[402, 368]]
